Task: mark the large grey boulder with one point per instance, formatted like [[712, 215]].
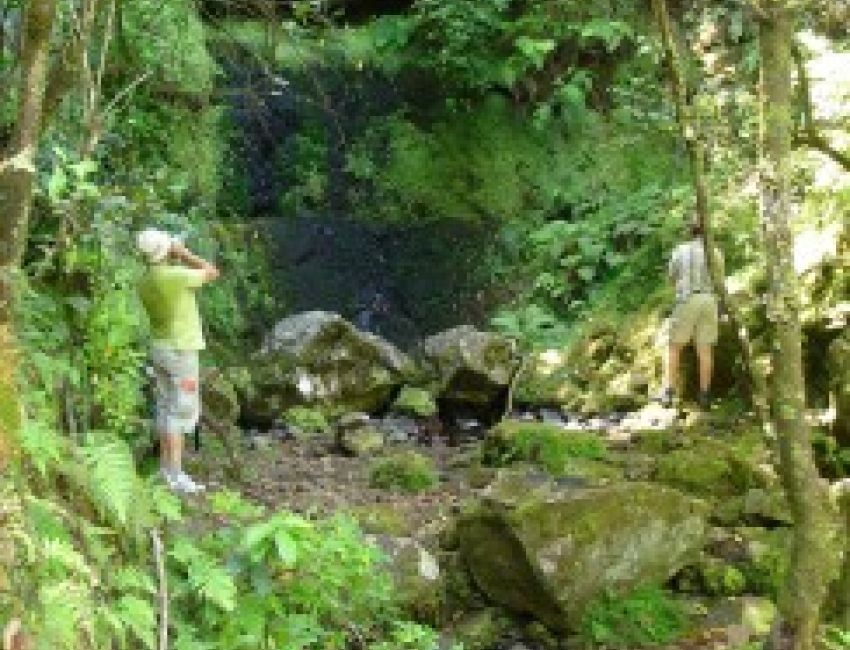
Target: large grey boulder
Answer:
[[468, 366], [548, 552], [319, 359]]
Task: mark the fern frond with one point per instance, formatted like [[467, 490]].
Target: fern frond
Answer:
[[111, 476], [138, 616], [131, 578], [42, 446], [60, 554]]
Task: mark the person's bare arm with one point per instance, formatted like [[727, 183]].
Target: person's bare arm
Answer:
[[191, 260]]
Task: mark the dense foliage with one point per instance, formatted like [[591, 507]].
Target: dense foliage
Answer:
[[542, 127]]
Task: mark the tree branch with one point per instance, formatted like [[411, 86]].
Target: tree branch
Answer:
[[811, 137]]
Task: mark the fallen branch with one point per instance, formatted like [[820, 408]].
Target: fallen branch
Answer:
[[163, 589]]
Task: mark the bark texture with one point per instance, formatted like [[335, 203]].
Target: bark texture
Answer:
[[17, 175], [814, 561], [691, 132]]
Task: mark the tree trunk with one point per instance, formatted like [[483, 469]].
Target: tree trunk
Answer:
[[691, 132], [17, 175], [814, 556]]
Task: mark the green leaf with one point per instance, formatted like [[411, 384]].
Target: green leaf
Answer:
[[587, 273], [131, 578], [139, 617], [214, 584], [57, 184], [112, 476], [287, 549]]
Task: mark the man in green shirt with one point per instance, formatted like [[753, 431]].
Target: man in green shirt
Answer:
[[167, 291]]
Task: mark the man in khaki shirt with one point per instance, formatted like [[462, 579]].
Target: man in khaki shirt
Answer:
[[167, 291], [695, 316]]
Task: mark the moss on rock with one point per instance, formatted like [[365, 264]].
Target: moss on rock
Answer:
[[416, 402], [559, 452], [408, 471], [710, 468], [552, 551]]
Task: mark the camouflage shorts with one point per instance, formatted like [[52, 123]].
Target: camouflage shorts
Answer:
[[178, 401]]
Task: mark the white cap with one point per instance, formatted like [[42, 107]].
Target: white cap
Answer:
[[155, 244]]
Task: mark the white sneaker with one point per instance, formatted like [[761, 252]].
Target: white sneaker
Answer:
[[184, 483], [167, 477]]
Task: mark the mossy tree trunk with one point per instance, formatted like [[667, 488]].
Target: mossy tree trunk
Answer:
[[17, 176], [691, 128], [814, 560]]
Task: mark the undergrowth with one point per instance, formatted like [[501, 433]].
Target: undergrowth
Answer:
[[408, 472], [647, 617], [237, 575]]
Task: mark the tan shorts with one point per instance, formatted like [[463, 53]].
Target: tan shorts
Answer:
[[695, 318], [178, 400]]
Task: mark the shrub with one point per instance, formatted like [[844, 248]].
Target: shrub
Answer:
[[647, 616], [408, 471]]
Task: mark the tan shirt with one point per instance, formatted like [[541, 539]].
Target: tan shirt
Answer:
[[689, 271]]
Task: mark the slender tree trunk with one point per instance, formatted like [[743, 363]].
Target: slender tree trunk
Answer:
[[691, 132], [814, 560], [17, 175], [843, 586]]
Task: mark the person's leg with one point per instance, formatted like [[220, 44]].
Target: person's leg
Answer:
[[165, 462], [705, 353], [162, 393], [680, 333], [176, 444], [705, 339], [674, 353], [187, 413]]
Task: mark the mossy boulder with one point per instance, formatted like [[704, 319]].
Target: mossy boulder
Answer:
[[360, 441], [554, 449], [305, 422], [320, 359], [415, 402], [466, 366], [711, 468], [548, 551]]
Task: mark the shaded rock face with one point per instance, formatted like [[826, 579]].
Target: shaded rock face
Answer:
[[467, 369], [219, 401], [839, 373], [416, 575], [549, 552], [320, 359]]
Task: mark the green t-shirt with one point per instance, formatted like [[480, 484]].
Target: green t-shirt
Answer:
[[168, 294]]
